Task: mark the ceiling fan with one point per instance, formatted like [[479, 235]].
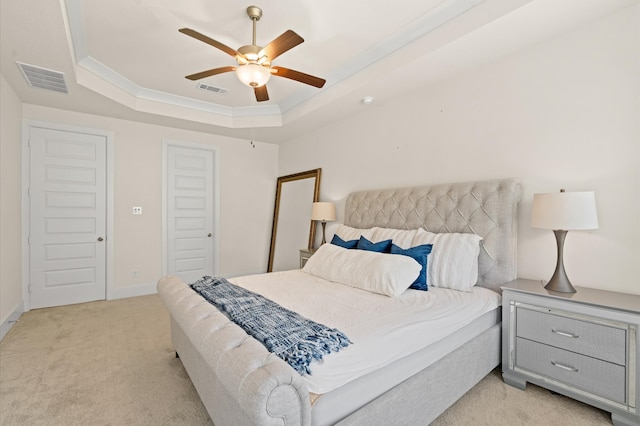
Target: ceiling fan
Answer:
[[254, 62]]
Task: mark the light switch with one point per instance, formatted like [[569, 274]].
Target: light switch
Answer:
[[137, 210]]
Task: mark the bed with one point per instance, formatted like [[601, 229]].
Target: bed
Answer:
[[241, 383]]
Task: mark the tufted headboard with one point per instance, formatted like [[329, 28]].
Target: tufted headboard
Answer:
[[486, 208]]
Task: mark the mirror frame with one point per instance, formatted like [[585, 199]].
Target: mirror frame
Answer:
[[309, 174]]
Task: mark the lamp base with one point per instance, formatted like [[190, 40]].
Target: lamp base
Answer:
[[324, 224], [559, 281], [560, 285]]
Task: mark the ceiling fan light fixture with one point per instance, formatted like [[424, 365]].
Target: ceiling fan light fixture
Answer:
[[254, 62], [253, 75]]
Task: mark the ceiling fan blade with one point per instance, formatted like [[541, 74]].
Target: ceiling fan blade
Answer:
[[298, 76], [261, 93], [208, 40], [286, 41], [207, 73]]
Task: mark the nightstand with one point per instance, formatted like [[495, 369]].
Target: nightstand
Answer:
[[584, 345], [305, 254]]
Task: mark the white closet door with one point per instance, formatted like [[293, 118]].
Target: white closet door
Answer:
[[190, 214], [67, 217]]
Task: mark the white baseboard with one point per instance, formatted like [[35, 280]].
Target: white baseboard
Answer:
[[11, 320], [134, 291]]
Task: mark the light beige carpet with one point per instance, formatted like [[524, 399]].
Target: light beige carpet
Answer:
[[112, 363]]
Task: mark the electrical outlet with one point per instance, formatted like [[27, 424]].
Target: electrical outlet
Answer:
[[134, 273], [137, 210]]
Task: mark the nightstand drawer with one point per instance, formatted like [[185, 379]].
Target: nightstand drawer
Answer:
[[592, 375], [587, 338]]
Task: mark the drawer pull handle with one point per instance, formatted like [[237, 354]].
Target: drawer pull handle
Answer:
[[564, 333], [564, 367]]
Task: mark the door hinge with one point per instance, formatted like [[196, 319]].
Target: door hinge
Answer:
[[29, 288]]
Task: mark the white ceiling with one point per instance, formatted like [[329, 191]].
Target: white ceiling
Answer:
[[126, 58]]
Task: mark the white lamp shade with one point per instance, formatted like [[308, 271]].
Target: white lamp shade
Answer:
[[253, 75], [564, 211], [323, 211]]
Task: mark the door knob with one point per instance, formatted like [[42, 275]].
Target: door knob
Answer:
[[100, 239], [209, 234]]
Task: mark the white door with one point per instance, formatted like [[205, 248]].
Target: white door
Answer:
[[67, 217], [190, 217]]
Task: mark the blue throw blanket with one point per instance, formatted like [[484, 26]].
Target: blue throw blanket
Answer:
[[290, 336]]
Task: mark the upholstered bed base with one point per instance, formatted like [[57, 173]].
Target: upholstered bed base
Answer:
[[225, 407], [422, 398], [241, 383]]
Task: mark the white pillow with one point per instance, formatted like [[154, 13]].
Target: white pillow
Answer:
[[403, 238], [348, 233], [382, 273], [453, 262]]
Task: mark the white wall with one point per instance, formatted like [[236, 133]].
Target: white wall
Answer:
[[560, 114], [247, 189], [10, 205]]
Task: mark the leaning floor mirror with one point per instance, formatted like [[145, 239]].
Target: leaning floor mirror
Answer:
[[293, 228]]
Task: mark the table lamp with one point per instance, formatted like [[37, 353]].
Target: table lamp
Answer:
[[563, 211], [323, 211]]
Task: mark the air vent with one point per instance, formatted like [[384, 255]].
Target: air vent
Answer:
[[214, 89], [43, 78]]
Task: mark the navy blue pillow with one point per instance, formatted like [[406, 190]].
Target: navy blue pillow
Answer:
[[419, 253], [351, 244], [380, 247]]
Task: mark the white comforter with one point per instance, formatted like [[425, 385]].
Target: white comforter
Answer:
[[382, 329]]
